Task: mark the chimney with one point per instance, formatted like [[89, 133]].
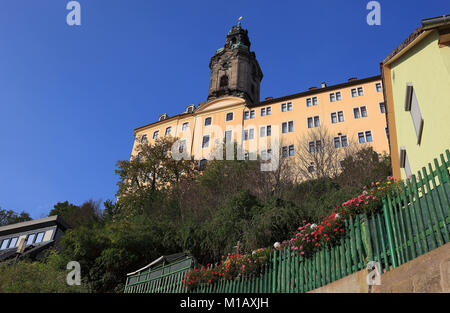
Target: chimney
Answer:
[[269, 98], [312, 88], [324, 84], [352, 79]]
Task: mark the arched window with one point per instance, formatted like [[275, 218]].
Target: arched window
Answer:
[[224, 81]]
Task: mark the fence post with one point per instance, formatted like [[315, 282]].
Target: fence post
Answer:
[[274, 272], [387, 221]]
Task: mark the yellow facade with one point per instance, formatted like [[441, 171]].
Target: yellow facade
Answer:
[[298, 111], [423, 63]]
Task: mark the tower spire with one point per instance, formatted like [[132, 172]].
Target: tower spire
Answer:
[[234, 68]]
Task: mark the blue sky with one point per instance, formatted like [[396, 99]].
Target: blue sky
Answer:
[[70, 97]]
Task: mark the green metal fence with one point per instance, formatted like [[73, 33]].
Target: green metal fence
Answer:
[[414, 220], [165, 278]]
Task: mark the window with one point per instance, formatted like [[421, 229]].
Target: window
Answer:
[[156, 134], [332, 97], [291, 150], [311, 101], [315, 146], [360, 112], [208, 121], [412, 105], [30, 239], [249, 114], [360, 91], [365, 136], [144, 139], [337, 142], [266, 111], [286, 107], [249, 134], [311, 168], [387, 132], [316, 121], [368, 136], [287, 127], [344, 142], [168, 131], [265, 131], [356, 92], [404, 162], [202, 164], [39, 237], [4, 245], [185, 126], [335, 96], [378, 87], [246, 156], [205, 142], [363, 111], [361, 138], [228, 136], [337, 117], [310, 122], [287, 151], [340, 141], [224, 81], [190, 109], [382, 108], [229, 116], [13, 242]]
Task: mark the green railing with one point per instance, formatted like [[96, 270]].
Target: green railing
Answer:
[[414, 220], [163, 279]]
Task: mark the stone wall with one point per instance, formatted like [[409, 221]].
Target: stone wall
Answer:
[[429, 273]]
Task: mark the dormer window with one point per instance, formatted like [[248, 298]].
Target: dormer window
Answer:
[[163, 116], [190, 108]]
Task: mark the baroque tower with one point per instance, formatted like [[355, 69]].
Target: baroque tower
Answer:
[[234, 69]]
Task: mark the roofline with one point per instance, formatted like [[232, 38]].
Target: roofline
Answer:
[[434, 22], [318, 90], [289, 97], [55, 219]]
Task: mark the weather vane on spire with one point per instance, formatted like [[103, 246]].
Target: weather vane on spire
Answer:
[[239, 19]]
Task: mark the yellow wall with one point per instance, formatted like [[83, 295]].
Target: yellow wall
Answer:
[[217, 109], [427, 67]]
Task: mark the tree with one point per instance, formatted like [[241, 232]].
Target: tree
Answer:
[[88, 213], [152, 169], [11, 217], [318, 154]]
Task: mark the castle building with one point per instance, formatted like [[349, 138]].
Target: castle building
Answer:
[[352, 112]]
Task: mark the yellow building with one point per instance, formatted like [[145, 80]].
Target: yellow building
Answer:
[[352, 111], [416, 76]]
